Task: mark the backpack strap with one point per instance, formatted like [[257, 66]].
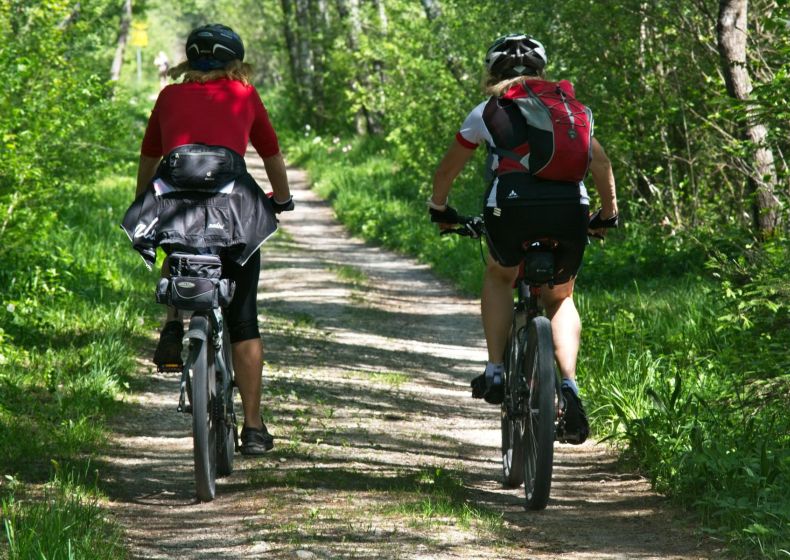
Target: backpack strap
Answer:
[[510, 154], [502, 153]]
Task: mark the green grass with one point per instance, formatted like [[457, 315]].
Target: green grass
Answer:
[[351, 274], [65, 522], [685, 343], [438, 497]]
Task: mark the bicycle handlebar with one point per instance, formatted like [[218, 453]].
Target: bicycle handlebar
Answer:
[[474, 227], [469, 226]]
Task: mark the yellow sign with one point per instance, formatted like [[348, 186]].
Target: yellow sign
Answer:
[[139, 34]]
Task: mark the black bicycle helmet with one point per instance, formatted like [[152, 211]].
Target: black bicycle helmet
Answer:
[[515, 55], [212, 46]]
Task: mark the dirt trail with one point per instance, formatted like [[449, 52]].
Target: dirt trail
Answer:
[[380, 451]]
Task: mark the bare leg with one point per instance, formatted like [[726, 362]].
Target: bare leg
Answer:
[[496, 306], [566, 326], [248, 366]]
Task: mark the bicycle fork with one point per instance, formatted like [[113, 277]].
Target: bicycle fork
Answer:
[[197, 331]]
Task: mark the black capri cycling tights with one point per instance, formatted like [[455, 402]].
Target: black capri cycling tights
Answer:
[[566, 223], [241, 316]]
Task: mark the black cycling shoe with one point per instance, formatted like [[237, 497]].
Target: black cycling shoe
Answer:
[[573, 427], [478, 386], [255, 441], [492, 394], [168, 352]]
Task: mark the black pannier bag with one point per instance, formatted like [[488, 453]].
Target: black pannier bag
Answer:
[[199, 166], [195, 283]]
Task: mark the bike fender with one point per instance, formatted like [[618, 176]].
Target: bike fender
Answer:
[[198, 327]]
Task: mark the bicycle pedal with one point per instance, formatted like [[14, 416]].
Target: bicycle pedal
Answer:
[[169, 368]]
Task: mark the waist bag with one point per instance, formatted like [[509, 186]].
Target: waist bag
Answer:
[[195, 283], [199, 166]]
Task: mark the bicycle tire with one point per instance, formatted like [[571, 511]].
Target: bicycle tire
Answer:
[[541, 414], [226, 424], [203, 426], [512, 422]]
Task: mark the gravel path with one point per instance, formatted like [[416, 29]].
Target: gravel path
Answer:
[[380, 452]]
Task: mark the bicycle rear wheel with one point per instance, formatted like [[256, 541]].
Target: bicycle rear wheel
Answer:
[[512, 423], [204, 433], [225, 416], [540, 413]]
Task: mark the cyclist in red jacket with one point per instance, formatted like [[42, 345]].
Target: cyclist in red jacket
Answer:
[[216, 105], [541, 208]]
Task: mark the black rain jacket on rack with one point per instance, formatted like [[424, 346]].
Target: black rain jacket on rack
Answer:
[[233, 220]]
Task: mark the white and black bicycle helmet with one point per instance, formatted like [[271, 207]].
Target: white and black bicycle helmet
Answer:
[[515, 55], [212, 46]]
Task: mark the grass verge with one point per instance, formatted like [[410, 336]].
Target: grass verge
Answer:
[[75, 312]]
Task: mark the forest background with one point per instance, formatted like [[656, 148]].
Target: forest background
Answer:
[[685, 354]]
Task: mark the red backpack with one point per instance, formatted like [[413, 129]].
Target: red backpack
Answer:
[[559, 131]]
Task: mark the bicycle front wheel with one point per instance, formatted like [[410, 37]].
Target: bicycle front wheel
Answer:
[[204, 434], [540, 413]]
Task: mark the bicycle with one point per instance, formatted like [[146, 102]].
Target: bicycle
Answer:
[[207, 382], [533, 404]]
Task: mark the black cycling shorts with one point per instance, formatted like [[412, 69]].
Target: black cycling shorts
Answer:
[[241, 316], [565, 223]]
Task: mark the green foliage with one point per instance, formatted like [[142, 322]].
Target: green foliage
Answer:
[[688, 372], [73, 312], [58, 120], [72, 305]]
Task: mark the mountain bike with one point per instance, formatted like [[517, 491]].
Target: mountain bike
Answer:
[[533, 404], [207, 384]]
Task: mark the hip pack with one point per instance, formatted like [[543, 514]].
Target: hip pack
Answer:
[[559, 131], [199, 166]]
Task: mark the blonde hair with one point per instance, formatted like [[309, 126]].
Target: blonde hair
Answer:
[[234, 70], [497, 87]]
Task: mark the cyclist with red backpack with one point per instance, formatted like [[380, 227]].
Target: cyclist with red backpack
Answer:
[[540, 146]]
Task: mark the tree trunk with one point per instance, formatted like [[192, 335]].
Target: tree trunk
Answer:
[[290, 39], [381, 9], [319, 29], [732, 35], [364, 121], [432, 9], [303, 49], [123, 38], [433, 12]]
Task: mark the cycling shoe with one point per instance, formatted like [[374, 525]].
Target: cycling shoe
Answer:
[[492, 393], [256, 441], [573, 426], [168, 352]]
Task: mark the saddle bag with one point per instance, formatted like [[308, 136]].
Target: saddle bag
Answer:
[[538, 263], [195, 283]]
